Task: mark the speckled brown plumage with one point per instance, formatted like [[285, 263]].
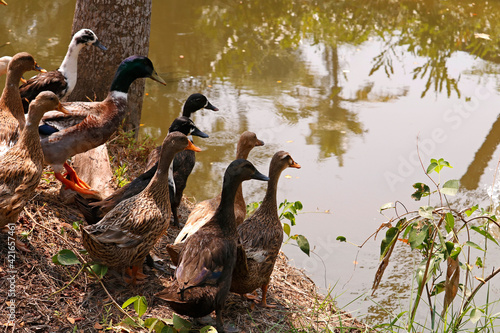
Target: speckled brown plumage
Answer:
[[11, 108], [261, 236], [128, 232], [203, 211], [21, 167], [203, 276]]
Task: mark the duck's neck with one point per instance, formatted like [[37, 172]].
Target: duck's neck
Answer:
[[69, 66], [122, 80], [241, 153], [187, 110], [11, 98], [30, 138], [225, 211], [269, 204], [158, 187]]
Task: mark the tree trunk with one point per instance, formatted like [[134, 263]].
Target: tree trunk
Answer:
[[124, 28]]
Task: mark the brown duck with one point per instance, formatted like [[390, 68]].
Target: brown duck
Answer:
[[261, 236], [11, 107], [128, 232], [203, 277], [203, 211], [21, 166]]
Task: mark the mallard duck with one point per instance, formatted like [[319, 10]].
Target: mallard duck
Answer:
[[11, 108], [128, 232], [184, 162], [203, 211], [90, 123], [203, 277], [21, 167], [63, 80], [261, 236], [93, 212]]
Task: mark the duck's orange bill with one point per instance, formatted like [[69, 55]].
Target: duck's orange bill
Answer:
[[40, 69], [62, 109], [192, 147], [295, 165]]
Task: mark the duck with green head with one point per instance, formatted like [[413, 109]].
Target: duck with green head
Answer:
[[91, 123]]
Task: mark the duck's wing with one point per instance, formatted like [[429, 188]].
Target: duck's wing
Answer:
[[55, 121], [110, 230], [199, 216], [53, 81], [201, 264]]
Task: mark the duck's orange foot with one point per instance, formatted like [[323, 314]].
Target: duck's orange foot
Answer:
[[135, 275], [73, 182], [264, 303]]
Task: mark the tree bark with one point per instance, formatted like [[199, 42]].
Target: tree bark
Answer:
[[124, 28]]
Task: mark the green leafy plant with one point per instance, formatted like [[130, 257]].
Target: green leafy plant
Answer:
[[443, 236], [158, 325]]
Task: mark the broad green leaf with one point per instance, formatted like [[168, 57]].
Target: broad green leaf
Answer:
[[286, 229], [450, 246], [422, 190], [140, 305], [388, 205], [474, 245], [438, 288], [450, 222], [129, 301], [180, 322], [432, 166], [168, 329], [208, 329], [417, 236], [450, 187], [154, 324], [99, 270], [475, 315], [298, 205], [426, 212], [303, 244], [390, 237], [484, 233], [456, 251], [341, 239], [469, 212], [65, 257]]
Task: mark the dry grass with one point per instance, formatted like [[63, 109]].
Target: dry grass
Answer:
[[84, 305]]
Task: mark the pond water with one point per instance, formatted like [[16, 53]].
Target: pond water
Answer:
[[345, 87]]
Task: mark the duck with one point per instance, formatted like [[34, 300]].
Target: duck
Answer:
[[94, 211], [12, 118], [202, 279], [21, 166], [204, 210], [184, 162], [126, 234], [90, 124], [63, 80], [260, 237]]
